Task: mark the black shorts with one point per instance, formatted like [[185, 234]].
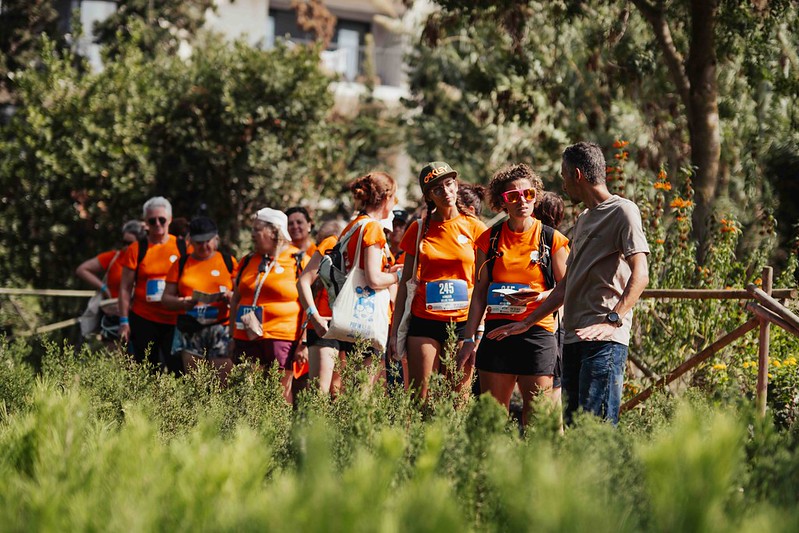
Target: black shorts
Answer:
[[434, 329], [313, 339], [348, 347], [533, 353]]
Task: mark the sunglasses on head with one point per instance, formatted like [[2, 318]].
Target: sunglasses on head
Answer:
[[515, 195], [160, 220]]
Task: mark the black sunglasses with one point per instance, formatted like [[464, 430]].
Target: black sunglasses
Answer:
[[160, 220]]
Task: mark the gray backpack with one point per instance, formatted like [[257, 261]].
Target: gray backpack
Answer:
[[332, 269]]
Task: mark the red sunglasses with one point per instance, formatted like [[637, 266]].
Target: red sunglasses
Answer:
[[515, 195]]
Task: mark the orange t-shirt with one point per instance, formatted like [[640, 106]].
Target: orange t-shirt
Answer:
[[371, 233], [516, 269], [209, 276], [151, 279], [321, 299], [114, 274], [445, 267], [278, 300]]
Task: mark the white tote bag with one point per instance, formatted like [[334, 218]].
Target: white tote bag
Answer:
[[359, 311], [410, 287]]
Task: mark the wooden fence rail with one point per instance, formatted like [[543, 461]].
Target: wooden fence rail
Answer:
[[767, 310]]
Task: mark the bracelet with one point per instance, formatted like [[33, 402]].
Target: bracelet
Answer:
[[124, 321], [104, 288], [481, 329], [399, 275], [311, 311], [468, 339]]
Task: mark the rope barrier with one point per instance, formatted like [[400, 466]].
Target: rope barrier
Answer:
[[47, 292]]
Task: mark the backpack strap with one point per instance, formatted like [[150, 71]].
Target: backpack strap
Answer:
[[493, 248], [182, 264], [228, 259], [181, 242], [298, 264], [144, 244], [242, 266], [545, 255]]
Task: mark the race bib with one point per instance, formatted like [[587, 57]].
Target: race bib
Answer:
[[205, 314], [244, 309], [446, 295], [155, 289], [497, 304]]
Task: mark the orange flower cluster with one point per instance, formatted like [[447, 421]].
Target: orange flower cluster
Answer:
[[728, 226], [660, 241], [615, 173], [679, 203], [662, 183]]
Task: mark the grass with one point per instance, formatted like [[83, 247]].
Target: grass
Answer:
[[96, 442]]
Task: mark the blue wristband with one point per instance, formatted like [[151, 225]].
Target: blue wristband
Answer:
[[311, 311], [124, 321], [104, 288]]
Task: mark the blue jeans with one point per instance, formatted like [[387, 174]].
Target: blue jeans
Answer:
[[593, 376]]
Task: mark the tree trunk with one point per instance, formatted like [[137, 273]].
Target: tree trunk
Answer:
[[697, 83], [703, 117]]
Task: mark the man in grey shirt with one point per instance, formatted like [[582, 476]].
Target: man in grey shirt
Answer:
[[606, 274]]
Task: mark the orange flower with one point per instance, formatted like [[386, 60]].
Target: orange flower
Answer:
[[662, 176], [679, 203], [620, 144], [660, 241], [666, 186]]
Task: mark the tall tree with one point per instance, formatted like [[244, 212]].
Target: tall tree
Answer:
[[22, 23], [691, 68], [152, 23]]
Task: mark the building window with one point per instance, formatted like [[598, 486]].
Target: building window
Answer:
[[345, 54]]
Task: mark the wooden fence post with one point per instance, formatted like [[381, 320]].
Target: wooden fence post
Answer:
[[762, 360]]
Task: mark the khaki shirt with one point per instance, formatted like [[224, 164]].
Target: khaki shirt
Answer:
[[597, 270]]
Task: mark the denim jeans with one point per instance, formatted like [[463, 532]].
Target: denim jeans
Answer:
[[593, 375]]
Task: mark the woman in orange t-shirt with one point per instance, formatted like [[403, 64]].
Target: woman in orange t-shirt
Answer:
[[446, 258], [510, 286], [322, 353], [266, 311], [300, 226], [374, 196], [202, 329], [143, 319], [104, 272]]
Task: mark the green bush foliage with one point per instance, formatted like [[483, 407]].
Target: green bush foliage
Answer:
[[98, 442]]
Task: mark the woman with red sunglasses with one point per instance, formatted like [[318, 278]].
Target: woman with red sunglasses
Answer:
[[511, 285]]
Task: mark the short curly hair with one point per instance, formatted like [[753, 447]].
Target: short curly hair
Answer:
[[507, 174]]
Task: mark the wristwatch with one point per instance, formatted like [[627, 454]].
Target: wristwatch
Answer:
[[614, 318]]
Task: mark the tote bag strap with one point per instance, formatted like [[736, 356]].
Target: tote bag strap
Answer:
[[261, 281], [418, 244], [356, 260]]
